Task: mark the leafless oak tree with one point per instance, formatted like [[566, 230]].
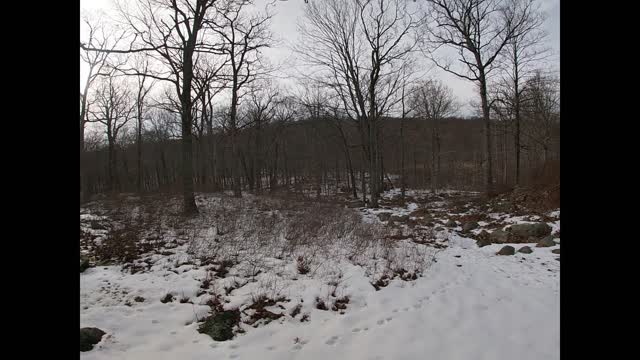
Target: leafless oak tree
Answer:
[[478, 30], [358, 49], [433, 101]]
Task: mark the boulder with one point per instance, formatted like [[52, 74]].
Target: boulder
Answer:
[[400, 218], [506, 250], [426, 221], [466, 227], [451, 223], [526, 231], [483, 242], [525, 250], [505, 207], [499, 237], [90, 336], [556, 251], [546, 242], [384, 216], [84, 264]]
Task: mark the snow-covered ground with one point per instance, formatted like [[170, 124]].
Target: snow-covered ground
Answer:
[[469, 304]]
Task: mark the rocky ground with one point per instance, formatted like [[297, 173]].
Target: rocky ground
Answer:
[[282, 278]]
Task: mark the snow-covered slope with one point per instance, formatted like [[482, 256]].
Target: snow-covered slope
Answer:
[[470, 304]]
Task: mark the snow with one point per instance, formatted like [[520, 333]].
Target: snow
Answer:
[[469, 304], [492, 307]]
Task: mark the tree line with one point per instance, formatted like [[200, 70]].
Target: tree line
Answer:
[[180, 97]]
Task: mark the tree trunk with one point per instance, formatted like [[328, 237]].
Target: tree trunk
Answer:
[[487, 128], [402, 174], [189, 201], [235, 171]]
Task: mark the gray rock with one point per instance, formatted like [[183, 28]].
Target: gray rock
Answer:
[[402, 218], [556, 251], [526, 231], [499, 237], [506, 250], [451, 223], [439, 228], [483, 242], [90, 336], [466, 227], [546, 242], [505, 206], [426, 221], [525, 250], [384, 216], [84, 264]]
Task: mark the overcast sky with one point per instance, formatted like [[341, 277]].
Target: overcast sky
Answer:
[[287, 14]]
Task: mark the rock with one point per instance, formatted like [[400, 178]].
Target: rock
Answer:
[[558, 258], [469, 226], [220, 325], [439, 228], [483, 242], [84, 264], [506, 250], [384, 216], [402, 218], [505, 207], [426, 221], [499, 237], [90, 336], [451, 223], [546, 242], [525, 250], [167, 298], [354, 204], [526, 231], [556, 251]]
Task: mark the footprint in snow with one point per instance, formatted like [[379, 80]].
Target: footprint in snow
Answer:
[[297, 347], [213, 346], [233, 356], [355, 330], [271, 347], [154, 321], [233, 346], [380, 322], [405, 309], [417, 306], [332, 340], [395, 310], [173, 332]]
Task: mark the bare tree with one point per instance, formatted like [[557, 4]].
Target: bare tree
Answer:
[[243, 35], [478, 30], [100, 37], [359, 48], [172, 32], [144, 86], [433, 101], [114, 107], [523, 53], [542, 107]]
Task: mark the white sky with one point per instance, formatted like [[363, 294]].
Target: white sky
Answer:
[[287, 14]]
